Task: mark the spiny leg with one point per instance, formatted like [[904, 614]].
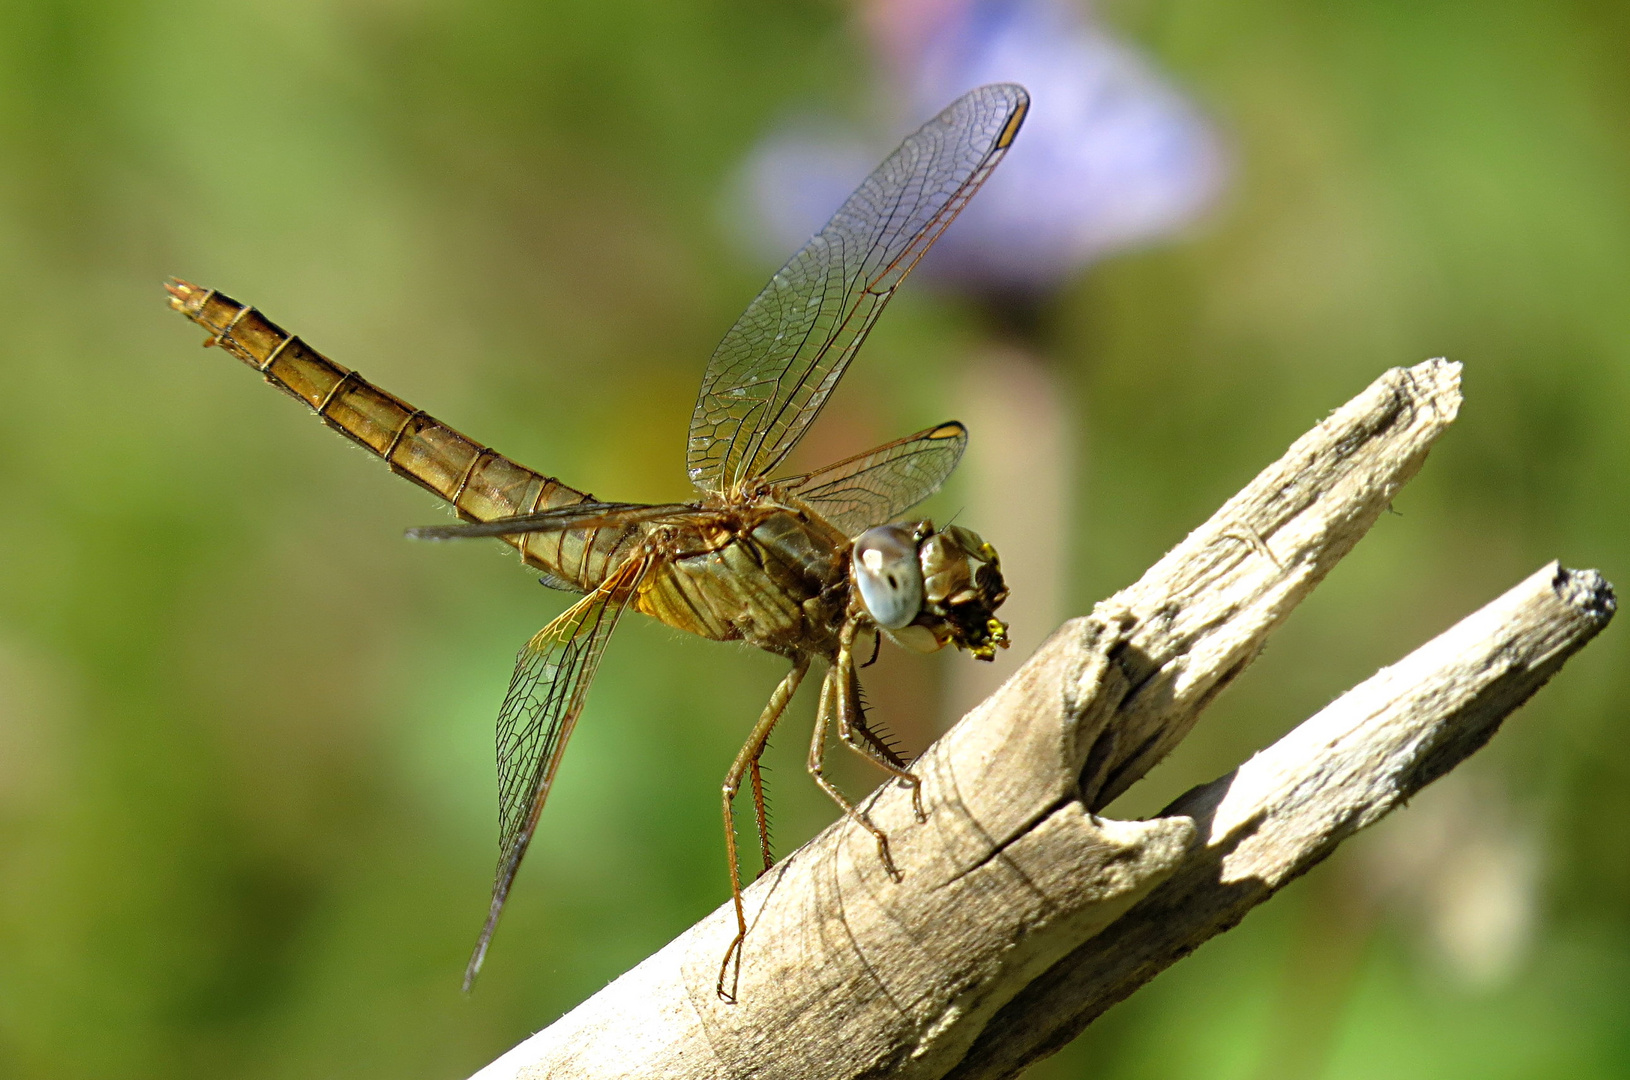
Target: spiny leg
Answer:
[[851, 722], [761, 813], [747, 760], [817, 762], [873, 746]]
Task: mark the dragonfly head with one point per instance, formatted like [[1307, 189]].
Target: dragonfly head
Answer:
[[928, 589]]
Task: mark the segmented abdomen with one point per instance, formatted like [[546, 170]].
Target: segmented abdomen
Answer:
[[481, 484]]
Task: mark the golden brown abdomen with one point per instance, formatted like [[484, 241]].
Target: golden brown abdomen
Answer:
[[480, 483]]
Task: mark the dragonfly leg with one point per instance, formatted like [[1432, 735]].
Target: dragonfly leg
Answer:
[[747, 762], [854, 732], [761, 814], [857, 734], [817, 766]]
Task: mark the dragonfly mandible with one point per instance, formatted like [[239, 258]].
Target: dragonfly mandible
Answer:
[[809, 567]]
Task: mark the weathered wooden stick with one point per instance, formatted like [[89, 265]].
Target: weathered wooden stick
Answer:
[[1280, 813], [1020, 914]]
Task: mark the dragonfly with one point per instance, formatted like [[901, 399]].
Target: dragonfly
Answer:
[[812, 567]]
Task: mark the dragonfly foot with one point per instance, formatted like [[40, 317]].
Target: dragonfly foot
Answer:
[[883, 854], [730, 967], [916, 787], [730, 972]]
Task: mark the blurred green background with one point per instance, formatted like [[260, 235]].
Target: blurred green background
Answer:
[[246, 796]]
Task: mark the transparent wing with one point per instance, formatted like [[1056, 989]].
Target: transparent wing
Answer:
[[771, 374], [880, 485], [546, 694], [586, 515]]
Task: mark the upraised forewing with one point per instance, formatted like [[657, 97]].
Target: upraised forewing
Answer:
[[546, 694], [771, 374], [880, 485], [585, 515]]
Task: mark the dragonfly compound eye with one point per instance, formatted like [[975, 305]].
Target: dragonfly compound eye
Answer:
[[889, 576]]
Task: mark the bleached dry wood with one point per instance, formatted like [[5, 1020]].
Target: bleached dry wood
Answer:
[[1021, 915], [1288, 807]]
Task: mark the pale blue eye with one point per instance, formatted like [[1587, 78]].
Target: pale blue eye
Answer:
[[888, 575]]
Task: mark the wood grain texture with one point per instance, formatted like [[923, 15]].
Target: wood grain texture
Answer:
[[1020, 914], [1289, 806]]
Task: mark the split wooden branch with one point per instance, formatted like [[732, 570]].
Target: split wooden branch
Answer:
[[1021, 915]]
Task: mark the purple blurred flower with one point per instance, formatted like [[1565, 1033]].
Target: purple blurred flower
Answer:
[[1111, 155]]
